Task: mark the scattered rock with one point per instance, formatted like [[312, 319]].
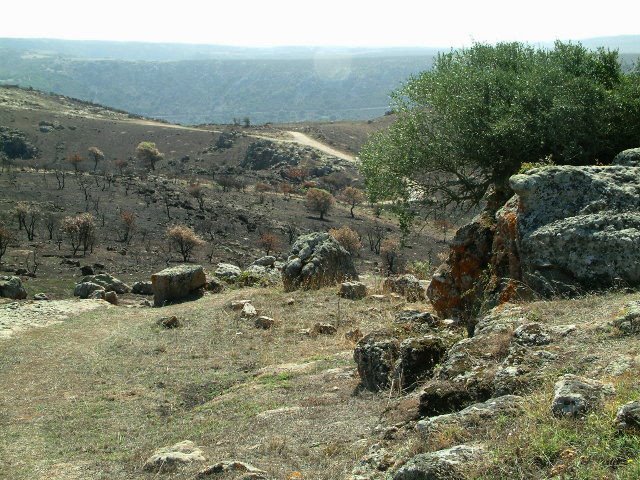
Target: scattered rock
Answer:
[[417, 317], [628, 416], [353, 290], [378, 297], [317, 260], [142, 288], [71, 263], [86, 270], [440, 465], [532, 334], [169, 322], [108, 282], [375, 356], [238, 305], [168, 459], [264, 322], [97, 294], [227, 272], [406, 285], [233, 466], [11, 287], [575, 396], [418, 357], [111, 297], [40, 297], [85, 289], [177, 283], [323, 329]]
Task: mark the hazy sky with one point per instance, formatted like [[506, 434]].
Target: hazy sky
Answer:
[[319, 22]]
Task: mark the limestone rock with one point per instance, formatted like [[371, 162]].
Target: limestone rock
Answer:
[[324, 329], [248, 311], [629, 321], [628, 158], [353, 290], [575, 396], [98, 294], [507, 405], [440, 465], [142, 288], [168, 459], [267, 261], [238, 305], [628, 417], [532, 334], [264, 322], [233, 466], [406, 285], [108, 282], [227, 272], [85, 289], [375, 356], [41, 297], [177, 283], [11, 287], [317, 260], [169, 322]]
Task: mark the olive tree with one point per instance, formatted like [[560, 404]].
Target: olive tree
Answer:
[[464, 127]]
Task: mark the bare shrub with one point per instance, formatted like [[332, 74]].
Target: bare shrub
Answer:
[[196, 190], [319, 201], [127, 226], [375, 235], [6, 237], [269, 242], [348, 238], [80, 230], [390, 253], [183, 240], [28, 217]]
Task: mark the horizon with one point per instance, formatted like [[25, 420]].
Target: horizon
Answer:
[[337, 24]]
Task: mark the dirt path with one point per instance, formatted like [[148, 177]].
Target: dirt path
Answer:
[[19, 316]]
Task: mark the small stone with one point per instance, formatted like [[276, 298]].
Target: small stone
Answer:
[[378, 297], [85, 289], [234, 466], [40, 297], [248, 311], [575, 396], [264, 322], [238, 305], [289, 301], [324, 329], [167, 459], [169, 322]]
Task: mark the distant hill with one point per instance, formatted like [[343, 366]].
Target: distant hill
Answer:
[[214, 84]]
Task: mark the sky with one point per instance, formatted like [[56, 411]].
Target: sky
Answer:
[[322, 22]]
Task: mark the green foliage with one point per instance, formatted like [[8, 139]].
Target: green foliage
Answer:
[[480, 113]]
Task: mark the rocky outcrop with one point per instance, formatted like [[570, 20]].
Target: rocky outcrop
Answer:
[[11, 287], [375, 356], [177, 283], [417, 359], [267, 154], [568, 229], [628, 417], [317, 260]]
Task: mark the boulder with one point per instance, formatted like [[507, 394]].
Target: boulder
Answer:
[[108, 282], [575, 396], [111, 297], [227, 272], [99, 294], [142, 288], [177, 283], [85, 289], [628, 417], [353, 290], [324, 329], [628, 158], [440, 465], [317, 260], [418, 357], [168, 459], [265, 323], [248, 311], [375, 356], [11, 287], [267, 261], [406, 285]]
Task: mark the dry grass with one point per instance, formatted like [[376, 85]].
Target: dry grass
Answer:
[[99, 393]]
